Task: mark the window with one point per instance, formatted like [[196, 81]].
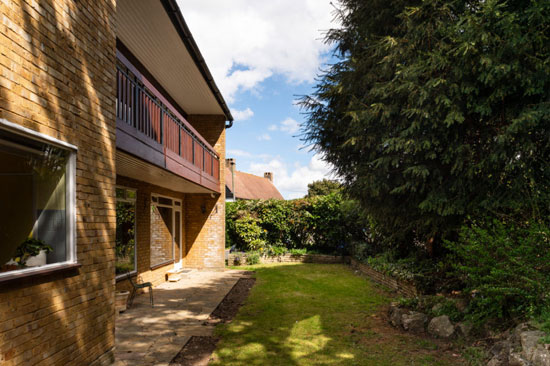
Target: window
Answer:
[[165, 230], [37, 199], [125, 243]]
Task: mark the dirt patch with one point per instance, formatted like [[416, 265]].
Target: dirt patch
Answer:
[[198, 350], [379, 331]]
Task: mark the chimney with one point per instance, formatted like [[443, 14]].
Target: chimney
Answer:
[[230, 163], [269, 176]]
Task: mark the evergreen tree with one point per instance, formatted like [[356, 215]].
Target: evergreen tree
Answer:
[[437, 110]]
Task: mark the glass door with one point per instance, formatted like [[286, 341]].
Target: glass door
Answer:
[[178, 250]]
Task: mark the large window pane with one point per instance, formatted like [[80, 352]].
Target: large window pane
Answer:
[[125, 232], [33, 215]]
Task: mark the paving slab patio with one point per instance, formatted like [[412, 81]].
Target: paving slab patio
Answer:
[[146, 336]]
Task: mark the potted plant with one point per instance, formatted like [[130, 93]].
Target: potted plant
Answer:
[[121, 301], [31, 253]]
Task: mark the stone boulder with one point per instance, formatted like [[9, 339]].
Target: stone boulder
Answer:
[[414, 322], [515, 359], [464, 329], [396, 314], [529, 341], [541, 356], [441, 327]]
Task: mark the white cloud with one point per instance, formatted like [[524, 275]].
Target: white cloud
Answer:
[[264, 137], [238, 153], [242, 115], [290, 126], [273, 128], [292, 181], [245, 42]]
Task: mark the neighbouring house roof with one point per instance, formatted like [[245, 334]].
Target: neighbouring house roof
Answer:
[[251, 187]]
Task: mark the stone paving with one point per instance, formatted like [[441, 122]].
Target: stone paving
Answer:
[[148, 336]]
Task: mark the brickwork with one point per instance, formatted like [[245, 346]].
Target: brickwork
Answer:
[[204, 215], [239, 259], [57, 77], [401, 287], [162, 248], [143, 230]]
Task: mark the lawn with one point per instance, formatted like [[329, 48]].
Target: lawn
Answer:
[[314, 314]]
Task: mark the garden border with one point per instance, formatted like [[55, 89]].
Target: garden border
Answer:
[[403, 287]]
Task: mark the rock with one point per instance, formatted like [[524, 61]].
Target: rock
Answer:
[[515, 359], [464, 329], [396, 315], [500, 348], [496, 361], [461, 305], [414, 322], [541, 356], [441, 327], [500, 352], [515, 333], [529, 341]]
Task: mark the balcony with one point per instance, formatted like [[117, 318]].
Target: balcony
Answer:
[[149, 127]]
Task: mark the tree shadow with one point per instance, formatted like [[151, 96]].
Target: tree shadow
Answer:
[[58, 78], [304, 314]]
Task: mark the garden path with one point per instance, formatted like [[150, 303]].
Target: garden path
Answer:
[[148, 336]]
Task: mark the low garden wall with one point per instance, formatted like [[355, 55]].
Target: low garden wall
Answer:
[[239, 259], [405, 288], [402, 287]]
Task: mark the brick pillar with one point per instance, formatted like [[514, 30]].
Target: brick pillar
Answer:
[[204, 214]]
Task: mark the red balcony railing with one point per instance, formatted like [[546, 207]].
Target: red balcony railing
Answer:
[[141, 106]]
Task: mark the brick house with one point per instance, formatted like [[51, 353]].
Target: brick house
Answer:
[[245, 186], [111, 135]]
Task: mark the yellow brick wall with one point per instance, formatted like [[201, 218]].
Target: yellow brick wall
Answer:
[[57, 77], [205, 235], [143, 230]]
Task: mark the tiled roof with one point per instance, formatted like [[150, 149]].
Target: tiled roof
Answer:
[[251, 187]]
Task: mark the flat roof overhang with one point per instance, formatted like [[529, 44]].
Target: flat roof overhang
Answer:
[[155, 32], [133, 167]]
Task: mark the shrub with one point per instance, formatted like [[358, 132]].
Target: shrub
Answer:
[[327, 224], [249, 232], [252, 258], [504, 266], [276, 250], [295, 251]]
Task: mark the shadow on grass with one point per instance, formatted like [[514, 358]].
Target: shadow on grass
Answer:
[[311, 314]]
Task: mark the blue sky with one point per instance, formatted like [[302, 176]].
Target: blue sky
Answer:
[[263, 56]]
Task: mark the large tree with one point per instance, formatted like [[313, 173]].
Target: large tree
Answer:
[[323, 187], [436, 110]]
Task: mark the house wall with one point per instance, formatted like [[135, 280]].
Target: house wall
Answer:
[[143, 230], [57, 77], [205, 234]]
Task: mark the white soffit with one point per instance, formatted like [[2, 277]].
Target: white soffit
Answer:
[[145, 28], [132, 167]]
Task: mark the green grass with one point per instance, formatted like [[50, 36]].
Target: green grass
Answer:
[[313, 314]]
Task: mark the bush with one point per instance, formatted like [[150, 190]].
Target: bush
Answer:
[[295, 251], [504, 266], [326, 224], [252, 258]]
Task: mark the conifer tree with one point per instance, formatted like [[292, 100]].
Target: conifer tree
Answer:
[[437, 110]]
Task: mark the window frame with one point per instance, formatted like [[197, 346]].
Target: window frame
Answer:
[[155, 200], [134, 201], [70, 199]]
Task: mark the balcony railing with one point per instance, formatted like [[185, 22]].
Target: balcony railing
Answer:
[[141, 107]]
